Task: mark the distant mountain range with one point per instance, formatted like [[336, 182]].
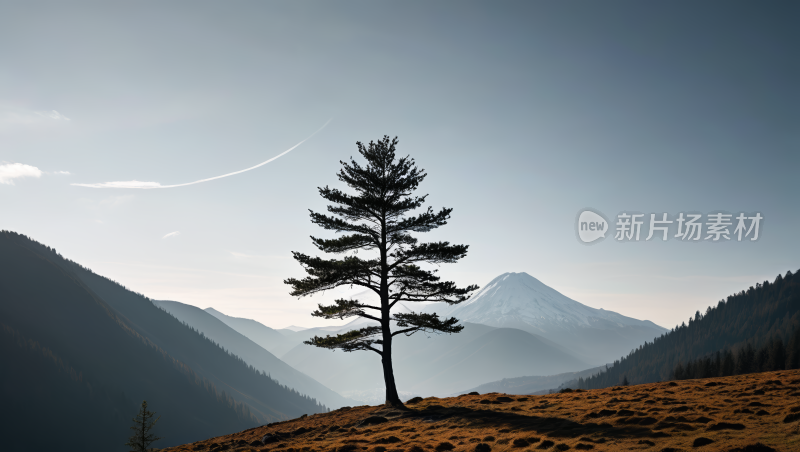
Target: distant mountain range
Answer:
[[436, 364], [518, 300], [79, 353], [277, 342], [252, 353], [515, 327]]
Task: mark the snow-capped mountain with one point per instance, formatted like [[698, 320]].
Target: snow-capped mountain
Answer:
[[514, 298], [518, 300]]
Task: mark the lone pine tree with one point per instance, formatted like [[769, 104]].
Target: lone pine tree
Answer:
[[142, 438], [378, 218]]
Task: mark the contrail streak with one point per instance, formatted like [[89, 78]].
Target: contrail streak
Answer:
[[150, 185]]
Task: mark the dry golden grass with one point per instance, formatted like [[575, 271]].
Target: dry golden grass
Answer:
[[730, 412]]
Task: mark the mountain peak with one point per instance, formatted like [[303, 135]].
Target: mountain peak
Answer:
[[518, 300], [512, 299]]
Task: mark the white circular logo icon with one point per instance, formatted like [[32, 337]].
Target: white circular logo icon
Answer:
[[591, 226]]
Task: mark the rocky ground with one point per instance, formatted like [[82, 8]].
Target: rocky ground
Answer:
[[748, 413]]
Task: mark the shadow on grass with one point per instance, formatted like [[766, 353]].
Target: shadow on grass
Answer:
[[553, 426]]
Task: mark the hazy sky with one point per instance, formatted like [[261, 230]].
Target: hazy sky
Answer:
[[522, 113]]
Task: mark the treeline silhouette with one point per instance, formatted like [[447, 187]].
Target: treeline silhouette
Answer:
[[80, 353], [771, 356], [751, 331]]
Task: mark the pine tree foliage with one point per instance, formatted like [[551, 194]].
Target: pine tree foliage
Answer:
[[770, 357], [752, 331], [379, 217], [142, 426]]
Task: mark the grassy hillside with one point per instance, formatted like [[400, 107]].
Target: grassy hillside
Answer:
[[750, 413]]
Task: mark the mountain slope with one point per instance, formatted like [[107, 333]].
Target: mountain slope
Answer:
[[104, 368], [59, 333], [518, 300], [251, 353], [749, 318], [182, 343], [272, 340]]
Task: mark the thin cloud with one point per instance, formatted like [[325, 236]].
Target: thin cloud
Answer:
[[16, 117], [52, 114], [67, 173], [171, 234], [135, 184], [11, 171], [128, 184]]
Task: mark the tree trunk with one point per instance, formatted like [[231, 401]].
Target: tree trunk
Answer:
[[392, 398]]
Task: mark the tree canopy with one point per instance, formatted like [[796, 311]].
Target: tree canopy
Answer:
[[380, 218]]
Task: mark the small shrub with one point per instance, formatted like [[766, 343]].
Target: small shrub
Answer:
[[791, 418], [388, 440], [726, 426], [701, 441], [372, 420], [520, 442]]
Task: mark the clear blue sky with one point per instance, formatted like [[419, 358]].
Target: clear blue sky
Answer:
[[522, 113]]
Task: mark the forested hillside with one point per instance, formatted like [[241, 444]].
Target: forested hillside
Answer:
[[77, 369], [757, 330]]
